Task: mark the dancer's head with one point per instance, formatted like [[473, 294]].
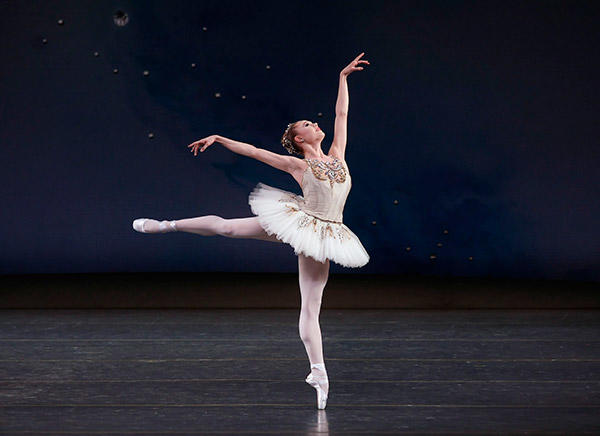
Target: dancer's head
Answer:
[[300, 135]]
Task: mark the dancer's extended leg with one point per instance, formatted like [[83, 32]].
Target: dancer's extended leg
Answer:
[[211, 225], [312, 276]]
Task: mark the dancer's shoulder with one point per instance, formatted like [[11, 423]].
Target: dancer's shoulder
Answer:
[[282, 162]]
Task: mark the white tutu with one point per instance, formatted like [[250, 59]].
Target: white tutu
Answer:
[[280, 212]]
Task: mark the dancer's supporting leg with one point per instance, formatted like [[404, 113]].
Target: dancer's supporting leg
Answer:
[[211, 225], [312, 276]]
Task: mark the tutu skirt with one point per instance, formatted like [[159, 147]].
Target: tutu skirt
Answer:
[[280, 212]]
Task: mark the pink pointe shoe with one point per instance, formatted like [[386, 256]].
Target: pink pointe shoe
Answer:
[[319, 382], [163, 226]]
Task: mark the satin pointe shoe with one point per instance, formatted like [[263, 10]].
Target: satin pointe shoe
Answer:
[[163, 226], [319, 382]]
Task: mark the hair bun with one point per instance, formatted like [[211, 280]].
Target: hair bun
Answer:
[[287, 141]]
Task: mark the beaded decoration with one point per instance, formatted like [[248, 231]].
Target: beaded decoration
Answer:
[[333, 229], [334, 171]]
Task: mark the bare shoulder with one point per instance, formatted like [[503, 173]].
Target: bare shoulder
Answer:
[[297, 168], [280, 161], [295, 164], [335, 154]]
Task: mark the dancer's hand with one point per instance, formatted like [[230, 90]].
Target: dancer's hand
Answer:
[[204, 143], [352, 66]]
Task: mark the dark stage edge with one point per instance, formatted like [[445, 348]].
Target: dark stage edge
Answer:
[[216, 372], [281, 291]]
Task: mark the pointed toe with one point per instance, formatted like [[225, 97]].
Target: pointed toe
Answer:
[[138, 225]]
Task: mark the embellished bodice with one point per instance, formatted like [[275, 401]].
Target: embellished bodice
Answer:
[[325, 187], [312, 222]]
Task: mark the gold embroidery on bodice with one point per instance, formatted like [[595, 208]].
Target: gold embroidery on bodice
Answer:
[[333, 171]]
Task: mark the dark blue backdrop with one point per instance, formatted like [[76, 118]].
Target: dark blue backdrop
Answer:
[[479, 118]]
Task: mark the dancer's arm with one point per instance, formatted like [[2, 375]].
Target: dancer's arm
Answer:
[[288, 164], [338, 146], [236, 146], [276, 160]]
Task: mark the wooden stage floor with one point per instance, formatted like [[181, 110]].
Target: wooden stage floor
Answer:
[[241, 371]]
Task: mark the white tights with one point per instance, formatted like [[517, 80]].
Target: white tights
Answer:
[[312, 275]]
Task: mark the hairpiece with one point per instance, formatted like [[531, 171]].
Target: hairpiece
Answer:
[[289, 145]]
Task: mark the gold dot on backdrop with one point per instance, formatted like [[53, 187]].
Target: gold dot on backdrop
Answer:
[[120, 18]]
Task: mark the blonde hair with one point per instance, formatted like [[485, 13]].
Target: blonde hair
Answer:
[[287, 140]]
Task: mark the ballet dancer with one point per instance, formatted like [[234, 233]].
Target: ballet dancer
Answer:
[[311, 223]]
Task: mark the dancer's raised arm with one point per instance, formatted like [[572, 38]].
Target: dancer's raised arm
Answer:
[[276, 160], [338, 146]]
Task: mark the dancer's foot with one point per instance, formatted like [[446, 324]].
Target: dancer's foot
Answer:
[[148, 225], [318, 379]]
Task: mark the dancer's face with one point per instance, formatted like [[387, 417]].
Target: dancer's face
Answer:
[[309, 131]]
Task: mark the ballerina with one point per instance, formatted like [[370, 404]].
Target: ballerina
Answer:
[[311, 223]]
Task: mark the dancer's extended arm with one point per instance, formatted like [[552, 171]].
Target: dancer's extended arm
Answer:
[[276, 160], [338, 146], [279, 161]]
